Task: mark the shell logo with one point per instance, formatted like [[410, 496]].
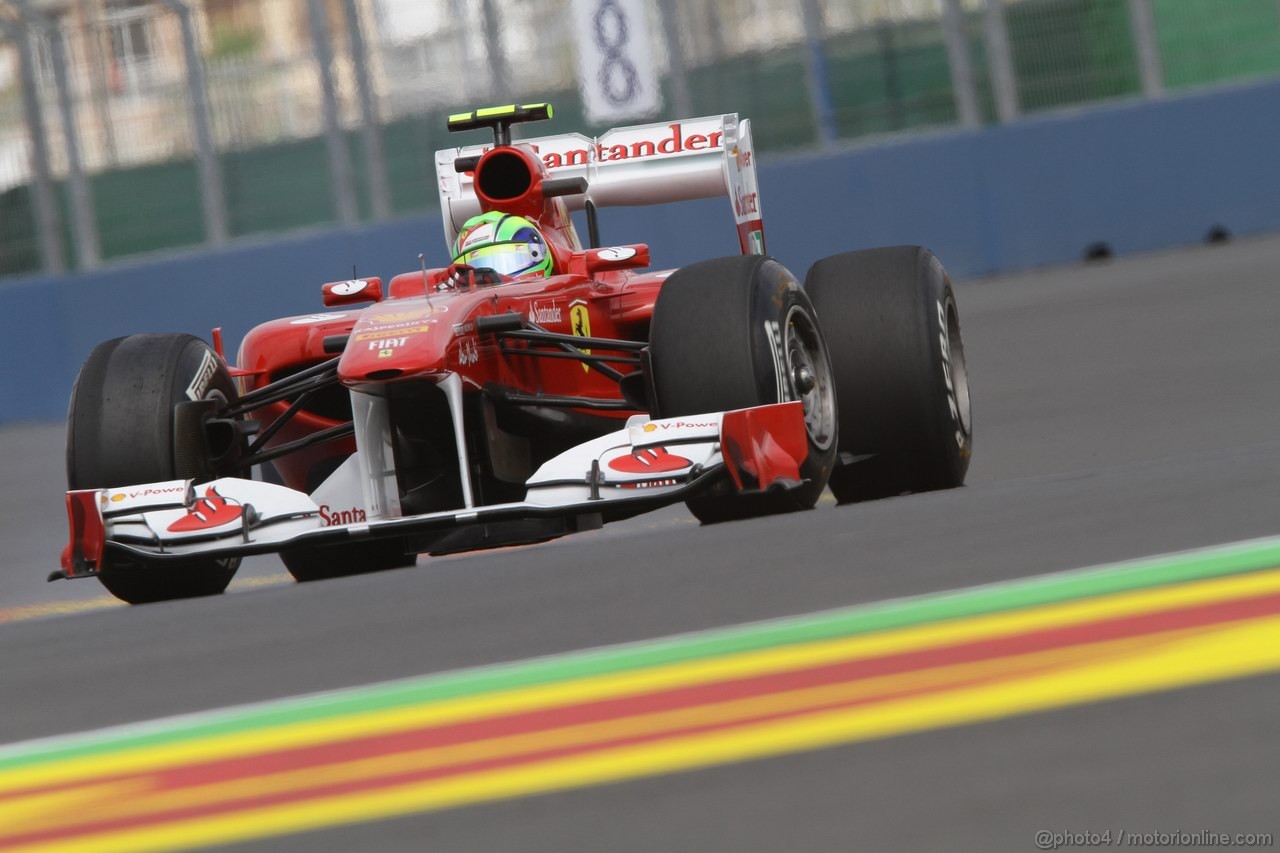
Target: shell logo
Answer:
[[650, 427], [117, 497]]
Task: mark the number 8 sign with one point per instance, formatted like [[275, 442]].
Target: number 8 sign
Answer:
[[616, 72]]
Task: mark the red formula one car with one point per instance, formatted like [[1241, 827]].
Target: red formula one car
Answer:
[[479, 405]]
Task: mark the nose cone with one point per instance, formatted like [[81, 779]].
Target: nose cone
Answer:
[[398, 339]]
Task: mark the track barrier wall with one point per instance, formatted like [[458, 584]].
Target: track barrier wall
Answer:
[[1132, 176]]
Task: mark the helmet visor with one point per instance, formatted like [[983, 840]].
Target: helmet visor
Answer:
[[503, 258]]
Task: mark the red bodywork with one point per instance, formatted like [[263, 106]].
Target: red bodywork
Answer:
[[426, 326]]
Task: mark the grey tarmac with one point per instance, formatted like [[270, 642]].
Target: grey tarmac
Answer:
[[1122, 410]]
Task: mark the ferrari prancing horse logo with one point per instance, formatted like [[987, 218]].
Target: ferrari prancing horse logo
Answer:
[[580, 322]]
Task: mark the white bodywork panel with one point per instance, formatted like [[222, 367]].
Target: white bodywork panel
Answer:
[[341, 496], [372, 423], [642, 164]]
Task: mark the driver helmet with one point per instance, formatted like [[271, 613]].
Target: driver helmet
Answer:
[[505, 243]]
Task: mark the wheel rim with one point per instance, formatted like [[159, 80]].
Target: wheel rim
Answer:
[[959, 370], [808, 376]]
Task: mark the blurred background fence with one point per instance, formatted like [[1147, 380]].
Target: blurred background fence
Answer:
[[133, 126]]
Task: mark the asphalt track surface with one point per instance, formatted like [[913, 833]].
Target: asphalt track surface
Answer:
[[1121, 410]]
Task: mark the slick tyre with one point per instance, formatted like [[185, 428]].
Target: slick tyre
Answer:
[[121, 431], [736, 332], [315, 564], [893, 331]]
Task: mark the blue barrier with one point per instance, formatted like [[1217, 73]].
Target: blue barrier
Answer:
[[1135, 176]]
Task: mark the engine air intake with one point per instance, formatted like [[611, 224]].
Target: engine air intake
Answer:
[[505, 175]]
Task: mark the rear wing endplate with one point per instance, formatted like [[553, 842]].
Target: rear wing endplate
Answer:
[[643, 164]]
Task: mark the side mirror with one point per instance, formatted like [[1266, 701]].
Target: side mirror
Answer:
[[352, 292], [617, 258]]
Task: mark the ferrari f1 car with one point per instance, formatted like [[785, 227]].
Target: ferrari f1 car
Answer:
[[461, 408]]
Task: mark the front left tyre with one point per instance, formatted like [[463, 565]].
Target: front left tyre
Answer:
[[121, 430]]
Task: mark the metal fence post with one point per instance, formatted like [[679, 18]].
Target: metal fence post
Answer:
[[462, 38], [371, 131], [48, 224], [815, 65], [1000, 60], [84, 227], [498, 73], [676, 70], [213, 204], [953, 28], [1144, 37], [98, 86], [344, 195]]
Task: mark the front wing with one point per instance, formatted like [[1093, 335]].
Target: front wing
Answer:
[[649, 463]]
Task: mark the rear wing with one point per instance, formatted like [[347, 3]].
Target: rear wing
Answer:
[[644, 164]]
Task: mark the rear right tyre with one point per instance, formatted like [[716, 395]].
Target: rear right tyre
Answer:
[[891, 324]]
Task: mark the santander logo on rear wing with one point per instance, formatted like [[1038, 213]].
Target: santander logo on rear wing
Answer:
[[638, 165]]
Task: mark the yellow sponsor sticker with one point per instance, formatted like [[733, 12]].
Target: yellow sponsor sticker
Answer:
[[580, 322], [382, 331], [402, 316]]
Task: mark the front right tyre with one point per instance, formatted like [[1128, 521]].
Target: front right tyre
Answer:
[[736, 332], [337, 561]]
